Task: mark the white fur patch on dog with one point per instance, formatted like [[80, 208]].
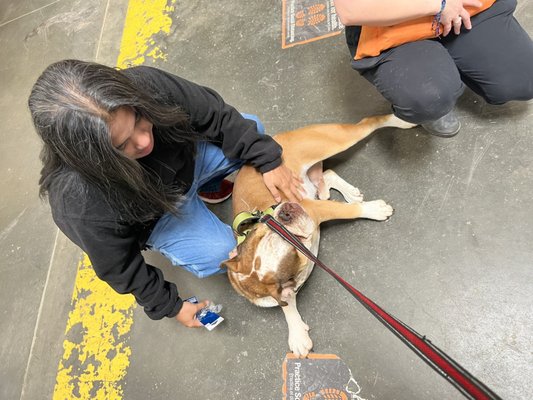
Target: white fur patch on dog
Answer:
[[377, 210], [271, 250], [350, 193], [265, 302], [399, 123]]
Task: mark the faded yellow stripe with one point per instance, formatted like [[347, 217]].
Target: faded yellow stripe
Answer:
[[146, 19], [96, 350]]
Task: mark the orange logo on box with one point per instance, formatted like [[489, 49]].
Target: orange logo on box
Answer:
[[305, 21], [326, 394]]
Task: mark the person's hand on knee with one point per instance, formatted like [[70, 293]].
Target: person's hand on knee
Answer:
[[455, 15]]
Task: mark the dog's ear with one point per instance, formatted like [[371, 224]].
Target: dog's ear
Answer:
[[232, 264]]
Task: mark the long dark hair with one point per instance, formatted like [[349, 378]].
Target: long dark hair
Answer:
[[71, 105]]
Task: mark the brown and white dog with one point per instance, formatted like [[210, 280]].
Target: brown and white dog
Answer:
[[267, 270]]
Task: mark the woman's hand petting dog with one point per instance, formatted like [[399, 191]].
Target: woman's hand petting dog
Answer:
[[284, 179]]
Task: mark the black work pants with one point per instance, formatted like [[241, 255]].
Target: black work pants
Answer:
[[423, 80]]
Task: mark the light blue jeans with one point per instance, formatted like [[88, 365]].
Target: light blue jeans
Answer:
[[197, 240]]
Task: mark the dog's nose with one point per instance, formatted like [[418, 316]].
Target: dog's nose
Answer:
[[288, 211], [284, 216]]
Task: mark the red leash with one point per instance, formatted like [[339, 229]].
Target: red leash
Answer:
[[465, 382]]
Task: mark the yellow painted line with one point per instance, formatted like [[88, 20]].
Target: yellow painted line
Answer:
[[145, 20], [96, 351], [96, 348]]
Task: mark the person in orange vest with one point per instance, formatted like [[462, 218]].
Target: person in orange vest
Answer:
[[420, 54]]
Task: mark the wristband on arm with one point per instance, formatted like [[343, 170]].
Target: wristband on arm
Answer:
[[436, 21]]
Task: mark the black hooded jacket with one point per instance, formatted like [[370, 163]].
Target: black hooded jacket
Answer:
[[114, 247]]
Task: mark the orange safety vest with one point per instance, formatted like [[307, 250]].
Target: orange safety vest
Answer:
[[374, 39]]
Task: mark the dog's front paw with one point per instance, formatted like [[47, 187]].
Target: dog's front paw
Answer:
[[299, 341], [377, 209]]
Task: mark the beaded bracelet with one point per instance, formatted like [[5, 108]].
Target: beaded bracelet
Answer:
[[435, 26]]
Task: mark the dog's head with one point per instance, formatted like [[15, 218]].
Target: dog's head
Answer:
[[265, 263]]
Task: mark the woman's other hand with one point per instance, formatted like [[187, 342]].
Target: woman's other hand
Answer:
[[455, 15], [187, 314]]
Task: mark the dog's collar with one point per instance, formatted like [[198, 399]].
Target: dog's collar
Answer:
[[243, 222]]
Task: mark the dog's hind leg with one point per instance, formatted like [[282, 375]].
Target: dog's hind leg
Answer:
[[315, 143], [350, 193]]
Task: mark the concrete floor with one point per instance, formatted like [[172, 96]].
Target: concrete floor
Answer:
[[454, 262]]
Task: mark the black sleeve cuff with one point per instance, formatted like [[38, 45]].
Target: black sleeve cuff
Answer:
[[269, 166], [176, 309]]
